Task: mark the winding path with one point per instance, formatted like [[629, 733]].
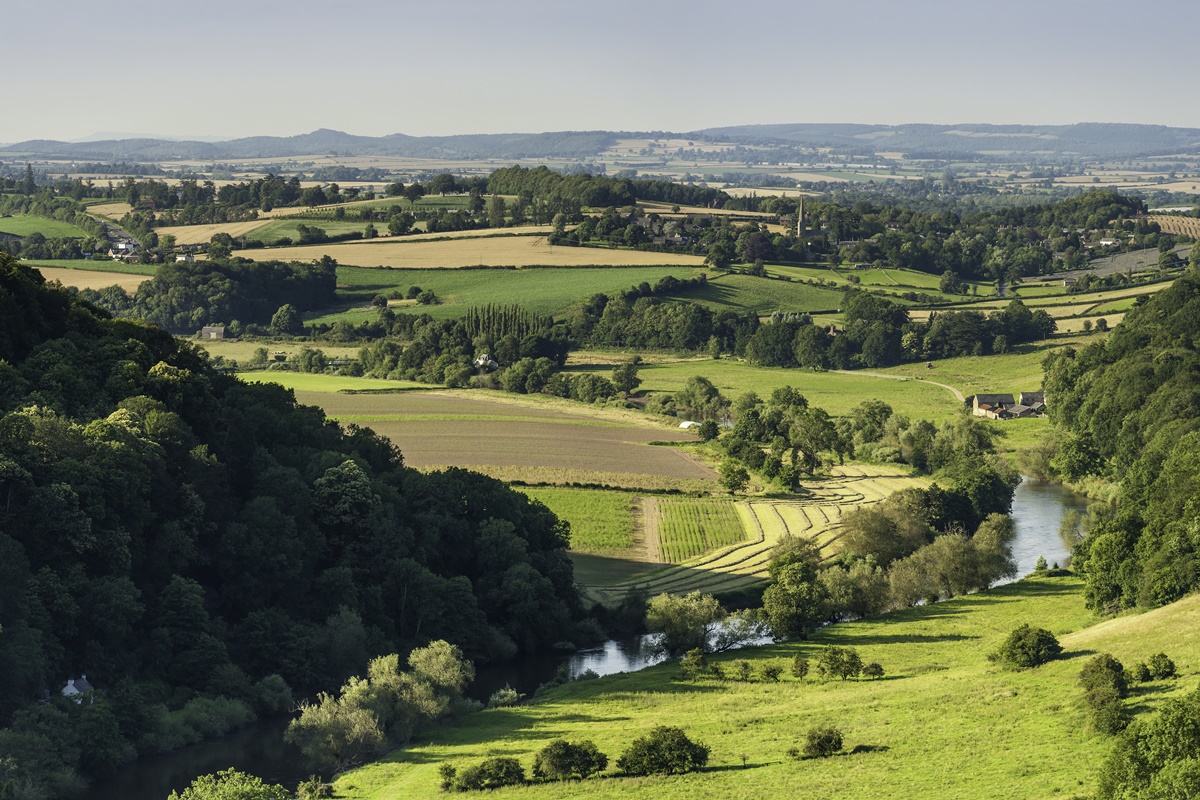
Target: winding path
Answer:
[[957, 394]]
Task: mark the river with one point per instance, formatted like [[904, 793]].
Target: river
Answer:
[[1038, 509]]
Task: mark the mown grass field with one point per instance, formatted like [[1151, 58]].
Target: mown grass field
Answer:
[[323, 384], [601, 522], [88, 265], [943, 723], [25, 224], [501, 251], [543, 291]]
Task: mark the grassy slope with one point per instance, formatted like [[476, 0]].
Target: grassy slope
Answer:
[[762, 296], [25, 224], [544, 291], [954, 725], [601, 522]]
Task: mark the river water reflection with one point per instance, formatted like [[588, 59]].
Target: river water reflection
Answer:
[[1038, 509]]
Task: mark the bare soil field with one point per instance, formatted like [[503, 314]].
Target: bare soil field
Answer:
[[502, 251], [89, 279]]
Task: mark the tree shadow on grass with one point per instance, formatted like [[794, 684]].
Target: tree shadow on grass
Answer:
[[852, 639], [1069, 655]]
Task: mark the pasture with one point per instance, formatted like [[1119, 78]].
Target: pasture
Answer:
[[93, 279], [506, 251], [25, 224], [551, 291], [1013, 733], [762, 296]]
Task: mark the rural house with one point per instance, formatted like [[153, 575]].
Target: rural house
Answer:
[[212, 332], [1003, 406], [77, 688]]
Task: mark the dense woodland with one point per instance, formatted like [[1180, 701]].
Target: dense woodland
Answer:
[[1131, 406], [201, 548]]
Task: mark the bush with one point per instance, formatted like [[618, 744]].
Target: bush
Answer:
[[493, 773], [694, 664], [839, 662], [1104, 671], [664, 750], [1028, 647], [873, 670], [561, 760], [742, 670], [708, 430], [771, 672], [1139, 674], [1106, 713], [822, 742], [799, 667], [507, 696], [1160, 667]]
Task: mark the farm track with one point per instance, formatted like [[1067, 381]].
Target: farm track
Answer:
[[816, 517]]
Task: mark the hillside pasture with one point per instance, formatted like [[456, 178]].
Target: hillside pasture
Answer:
[[1013, 733], [25, 224], [762, 296], [508, 251]]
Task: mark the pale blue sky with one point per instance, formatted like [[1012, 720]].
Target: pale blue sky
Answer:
[[280, 67]]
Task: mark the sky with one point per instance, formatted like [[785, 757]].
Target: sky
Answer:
[[372, 67]]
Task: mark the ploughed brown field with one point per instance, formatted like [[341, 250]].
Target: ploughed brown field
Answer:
[[440, 430]]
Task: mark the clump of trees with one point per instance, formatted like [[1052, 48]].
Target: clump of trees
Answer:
[[1027, 647], [562, 760], [1156, 757], [383, 710], [1105, 682], [665, 750], [819, 742]]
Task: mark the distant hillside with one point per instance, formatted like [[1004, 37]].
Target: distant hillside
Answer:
[[1094, 139], [566, 144]]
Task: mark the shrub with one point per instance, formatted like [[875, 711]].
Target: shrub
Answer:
[[694, 664], [1028, 647], [664, 750], [708, 430], [561, 760], [799, 667], [742, 670], [1160, 667], [507, 696], [490, 774], [1140, 674], [448, 774], [873, 670], [1106, 713], [771, 672], [822, 742], [1104, 671]]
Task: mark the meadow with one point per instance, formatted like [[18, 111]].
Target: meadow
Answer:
[[552, 291], [90, 265], [25, 224], [761, 296], [944, 722], [501, 251]]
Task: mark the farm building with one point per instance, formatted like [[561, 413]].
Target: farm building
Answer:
[[1003, 406], [212, 332], [689, 424], [76, 689], [184, 257]]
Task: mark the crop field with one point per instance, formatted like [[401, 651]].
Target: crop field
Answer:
[[202, 234], [763, 522], [544, 291], [92, 279], [531, 441], [1188, 226], [25, 224], [88, 265], [1013, 734], [762, 296], [691, 527], [243, 351], [112, 211], [501, 251], [601, 522]]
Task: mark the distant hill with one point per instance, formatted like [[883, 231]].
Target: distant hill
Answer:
[[1088, 139], [1091, 139], [566, 144]]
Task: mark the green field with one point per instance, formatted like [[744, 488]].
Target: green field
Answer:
[[944, 723], [692, 527], [276, 229], [26, 224], [541, 290], [323, 383], [762, 296], [835, 392], [601, 522]]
